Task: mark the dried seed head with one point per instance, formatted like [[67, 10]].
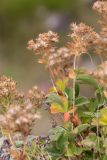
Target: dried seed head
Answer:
[[36, 96], [59, 57], [61, 61], [44, 45], [8, 87], [83, 38], [19, 118], [101, 42], [101, 7]]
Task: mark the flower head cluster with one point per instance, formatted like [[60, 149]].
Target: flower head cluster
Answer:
[[83, 38], [8, 87], [101, 45], [44, 45], [36, 96], [61, 61], [17, 112], [19, 118], [60, 56], [101, 7]]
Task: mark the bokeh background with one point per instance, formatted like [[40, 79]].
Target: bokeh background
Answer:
[[22, 20]]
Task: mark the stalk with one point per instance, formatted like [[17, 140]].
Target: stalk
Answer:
[[74, 81]]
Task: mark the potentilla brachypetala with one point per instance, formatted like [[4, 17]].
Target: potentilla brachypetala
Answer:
[[77, 136]]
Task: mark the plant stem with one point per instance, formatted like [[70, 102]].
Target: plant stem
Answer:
[[52, 78], [74, 81]]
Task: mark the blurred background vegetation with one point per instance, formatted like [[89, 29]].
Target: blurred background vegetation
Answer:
[[22, 20]]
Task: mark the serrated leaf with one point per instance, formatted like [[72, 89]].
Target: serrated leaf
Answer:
[[61, 84], [53, 151], [81, 101], [54, 98], [56, 132], [93, 105], [62, 142], [80, 128], [73, 150], [86, 79], [56, 108], [90, 141]]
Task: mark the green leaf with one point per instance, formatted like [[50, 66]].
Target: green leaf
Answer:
[[69, 93], [59, 142], [73, 150], [90, 141], [86, 79], [57, 108], [77, 90], [54, 98], [104, 157], [80, 128], [93, 105], [90, 114], [56, 132], [61, 84], [53, 151], [81, 101], [62, 142]]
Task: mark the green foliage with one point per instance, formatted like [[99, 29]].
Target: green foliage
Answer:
[[80, 101], [86, 79], [69, 93], [80, 128], [82, 132], [70, 141], [64, 143]]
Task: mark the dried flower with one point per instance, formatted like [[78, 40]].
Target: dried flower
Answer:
[[44, 45], [61, 61], [36, 96], [101, 42], [8, 87], [19, 118], [101, 7], [83, 38]]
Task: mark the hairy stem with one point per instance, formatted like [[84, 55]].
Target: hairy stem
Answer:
[[74, 81]]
